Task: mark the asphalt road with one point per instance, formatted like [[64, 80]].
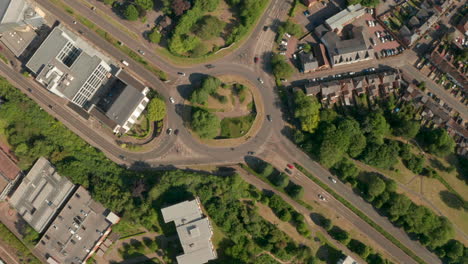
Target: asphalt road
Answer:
[[239, 63]]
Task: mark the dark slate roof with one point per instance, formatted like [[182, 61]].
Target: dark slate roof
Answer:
[[124, 105]]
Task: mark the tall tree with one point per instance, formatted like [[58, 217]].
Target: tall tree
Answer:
[[180, 6], [131, 12], [307, 110], [156, 109], [145, 4], [205, 124]]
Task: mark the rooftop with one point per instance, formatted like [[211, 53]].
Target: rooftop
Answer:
[[68, 66], [40, 195], [194, 232], [19, 13], [345, 16], [18, 40], [77, 230]]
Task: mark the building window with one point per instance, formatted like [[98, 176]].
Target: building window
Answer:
[[91, 85], [68, 54]]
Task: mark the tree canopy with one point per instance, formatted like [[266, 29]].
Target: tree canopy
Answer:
[[154, 36], [156, 109], [131, 12], [208, 27], [437, 141], [208, 87], [306, 109], [145, 4], [281, 68], [205, 124]]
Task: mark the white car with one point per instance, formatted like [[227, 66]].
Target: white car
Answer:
[[172, 100], [287, 35], [260, 80], [332, 179], [282, 53]]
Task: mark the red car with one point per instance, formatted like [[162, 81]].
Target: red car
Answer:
[[256, 59], [290, 166]]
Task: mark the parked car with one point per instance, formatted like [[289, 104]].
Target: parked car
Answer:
[[172, 100], [181, 73], [256, 59], [332, 179], [306, 13], [287, 35], [288, 171], [290, 166], [176, 132], [265, 28], [269, 118], [169, 131], [321, 197], [260, 80], [141, 52]]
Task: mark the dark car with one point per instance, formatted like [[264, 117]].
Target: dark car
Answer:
[[176, 132], [265, 28], [250, 153], [209, 66], [306, 13], [256, 59], [287, 170], [269, 118]]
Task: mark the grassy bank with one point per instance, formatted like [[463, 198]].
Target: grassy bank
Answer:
[[361, 215], [21, 251]]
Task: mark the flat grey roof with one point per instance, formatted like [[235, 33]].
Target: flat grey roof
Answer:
[[194, 232], [41, 193], [76, 231], [44, 61], [18, 40], [125, 104]]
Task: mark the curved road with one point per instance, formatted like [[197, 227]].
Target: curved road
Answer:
[[239, 62]]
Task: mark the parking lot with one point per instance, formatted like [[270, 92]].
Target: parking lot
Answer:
[[381, 39]]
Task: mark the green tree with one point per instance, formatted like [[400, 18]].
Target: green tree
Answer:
[[359, 248], [267, 170], [208, 27], [280, 180], [376, 126], [398, 206], [131, 12], [295, 191], [208, 87], [437, 141], [454, 250], [407, 128], [307, 110], [208, 5], [375, 187], [306, 47], [381, 156], [156, 109], [339, 234], [281, 68], [415, 163], [154, 36], [205, 124], [346, 170], [291, 28], [145, 4]]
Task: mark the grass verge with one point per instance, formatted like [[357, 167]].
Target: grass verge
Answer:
[[235, 127], [360, 214], [22, 252], [109, 38], [253, 172]]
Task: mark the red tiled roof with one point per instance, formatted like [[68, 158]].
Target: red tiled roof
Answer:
[[7, 167]]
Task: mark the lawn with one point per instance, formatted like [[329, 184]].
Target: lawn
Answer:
[[234, 127], [142, 129], [126, 229]]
